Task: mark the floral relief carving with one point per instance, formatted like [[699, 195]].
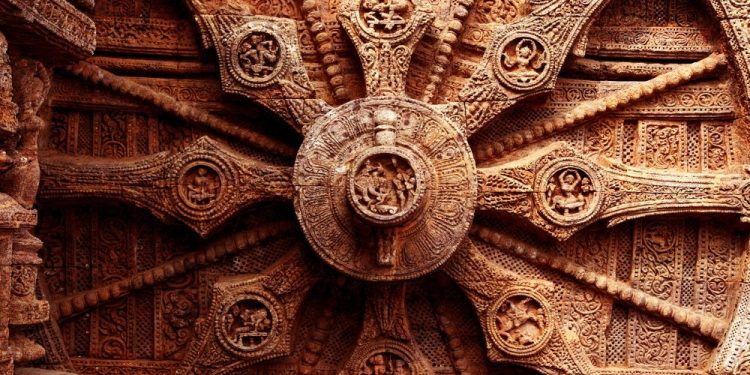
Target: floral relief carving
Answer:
[[663, 145]]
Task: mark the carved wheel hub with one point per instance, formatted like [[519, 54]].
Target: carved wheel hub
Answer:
[[385, 188]]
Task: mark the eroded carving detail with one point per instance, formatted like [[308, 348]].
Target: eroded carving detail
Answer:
[[248, 324], [519, 324], [384, 186], [571, 193], [386, 16], [385, 363], [259, 55], [200, 185]]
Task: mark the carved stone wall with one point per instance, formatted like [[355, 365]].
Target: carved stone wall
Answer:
[[63, 34], [375, 187]]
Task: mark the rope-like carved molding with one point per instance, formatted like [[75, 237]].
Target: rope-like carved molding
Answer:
[[683, 317], [587, 111], [211, 253], [449, 329], [445, 48], [321, 331], [324, 45], [96, 75]]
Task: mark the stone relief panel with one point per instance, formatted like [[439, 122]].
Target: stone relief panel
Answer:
[[377, 187]]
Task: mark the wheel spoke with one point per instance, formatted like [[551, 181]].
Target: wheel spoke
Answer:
[[519, 315], [386, 336], [211, 253], [202, 186], [687, 318], [253, 316], [385, 42], [534, 189], [129, 87], [589, 110]]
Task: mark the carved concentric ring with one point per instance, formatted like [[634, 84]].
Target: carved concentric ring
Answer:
[[417, 227], [520, 322]]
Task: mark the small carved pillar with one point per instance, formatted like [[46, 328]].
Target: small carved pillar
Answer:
[[8, 125], [6, 360], [18, 269], [30, 88], [23, 89], [25, 309]]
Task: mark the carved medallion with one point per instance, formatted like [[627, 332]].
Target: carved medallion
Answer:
[[386, 357], [200, 185], [385, 16], [520, 322], [386, 185], [259, 54], [523, 62], [248, 324], [385, 188], [386, 362], [569, 191]]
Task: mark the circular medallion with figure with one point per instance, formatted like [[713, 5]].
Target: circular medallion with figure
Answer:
[[257, 55], [569, 191], [520, 322], [248, 324], [523, 62]]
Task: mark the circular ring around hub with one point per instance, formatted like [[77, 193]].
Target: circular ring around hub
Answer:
[[385, 188]]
